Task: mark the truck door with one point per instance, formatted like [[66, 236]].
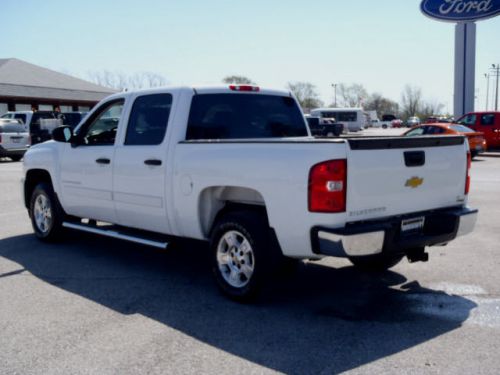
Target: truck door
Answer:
[[87, 163], [486, 124], [139, 186]]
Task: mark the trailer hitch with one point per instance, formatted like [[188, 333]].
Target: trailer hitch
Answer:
[[417, 255]]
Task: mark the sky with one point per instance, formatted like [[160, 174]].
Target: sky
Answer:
[[381, 44]]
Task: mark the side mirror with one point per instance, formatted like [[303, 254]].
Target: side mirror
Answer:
[[62, 134]]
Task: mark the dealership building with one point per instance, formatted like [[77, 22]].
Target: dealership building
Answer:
[[26, 87]]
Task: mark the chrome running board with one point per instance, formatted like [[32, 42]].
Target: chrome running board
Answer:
[[115, 234]]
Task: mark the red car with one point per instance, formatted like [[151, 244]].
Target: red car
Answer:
[[487, 123], [397, 123]]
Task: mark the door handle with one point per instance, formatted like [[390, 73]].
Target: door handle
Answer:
[[152, 162], [103, 161]]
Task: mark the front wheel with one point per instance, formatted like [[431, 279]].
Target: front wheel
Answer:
[[376, 263], [243, 254], [46, 213]]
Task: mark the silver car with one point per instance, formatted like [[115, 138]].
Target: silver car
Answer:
[[14, 139], [413, 121]]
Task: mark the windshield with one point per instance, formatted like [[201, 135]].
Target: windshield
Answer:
[[230, 116]]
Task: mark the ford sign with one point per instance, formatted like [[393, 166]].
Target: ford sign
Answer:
[[460, 10]]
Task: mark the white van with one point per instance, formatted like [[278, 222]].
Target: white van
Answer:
[[353, 119]]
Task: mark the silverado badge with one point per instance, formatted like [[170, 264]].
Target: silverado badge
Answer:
[[414, 182]]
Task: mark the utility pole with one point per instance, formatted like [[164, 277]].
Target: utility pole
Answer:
[[487, 76], [497, 73], [334, 85]]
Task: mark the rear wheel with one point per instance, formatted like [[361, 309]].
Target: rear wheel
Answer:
[[46, 213], [376, 263], [244, 255], [16, 157]]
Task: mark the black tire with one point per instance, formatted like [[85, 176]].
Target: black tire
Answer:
[[16, 157], [473, 154], [376, 263], [263, 257], [46, 213], [384, 126]]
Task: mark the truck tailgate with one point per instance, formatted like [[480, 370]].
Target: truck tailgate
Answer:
[[392, 176]]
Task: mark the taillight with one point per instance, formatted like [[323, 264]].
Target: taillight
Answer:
[[244, 88], [467, 176], [327, 186]]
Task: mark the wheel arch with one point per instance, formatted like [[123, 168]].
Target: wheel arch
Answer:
[[216, 201], [33, 178]]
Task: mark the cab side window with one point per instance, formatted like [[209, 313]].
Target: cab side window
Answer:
[[433, 130], [468, 120], [488, 119], [100, 130], [148, 120]]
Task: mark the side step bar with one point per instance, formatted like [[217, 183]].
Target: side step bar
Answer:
[[115, 234]]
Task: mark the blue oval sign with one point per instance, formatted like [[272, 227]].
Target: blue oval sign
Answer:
[[460, 10]]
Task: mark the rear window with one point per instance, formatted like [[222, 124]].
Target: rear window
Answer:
[[12, 128], [237, 116], [461, 129]]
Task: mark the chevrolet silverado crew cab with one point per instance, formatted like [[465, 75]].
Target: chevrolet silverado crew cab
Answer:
[[236, 166]]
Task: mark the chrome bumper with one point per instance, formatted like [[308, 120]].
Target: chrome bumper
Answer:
[[375, 237], [351, 245]]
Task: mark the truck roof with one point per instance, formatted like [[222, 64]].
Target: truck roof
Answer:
[[201, 89]]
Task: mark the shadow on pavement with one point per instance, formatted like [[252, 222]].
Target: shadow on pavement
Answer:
[[321, 319]]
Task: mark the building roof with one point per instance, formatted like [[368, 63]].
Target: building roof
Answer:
[[21, 79]]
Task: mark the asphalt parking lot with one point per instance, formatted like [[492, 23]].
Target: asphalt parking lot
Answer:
[[92, 305]]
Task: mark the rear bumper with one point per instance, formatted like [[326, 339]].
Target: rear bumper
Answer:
[[385, 236], [14, 152]]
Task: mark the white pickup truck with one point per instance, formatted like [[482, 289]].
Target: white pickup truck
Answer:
[[237, 166]]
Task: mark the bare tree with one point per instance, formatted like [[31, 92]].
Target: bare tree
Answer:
[[376, 102], [429, 109], [411, 101], [121, 81], [238, 80], [351, 96], [306, 94]]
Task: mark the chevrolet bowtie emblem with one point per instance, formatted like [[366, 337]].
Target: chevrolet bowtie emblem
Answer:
[[414, 182]]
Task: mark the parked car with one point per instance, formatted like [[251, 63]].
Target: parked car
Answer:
[[324, 127], [387, 120], [397, 123], [477, 142], [14, 139], [413, 121], [235, 166], [487, 123], [39, 123]]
